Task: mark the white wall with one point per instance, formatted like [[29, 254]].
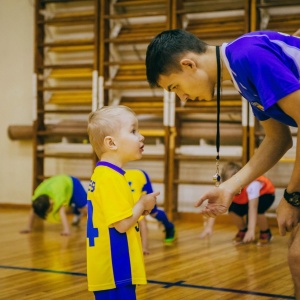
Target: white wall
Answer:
[[16, 67]]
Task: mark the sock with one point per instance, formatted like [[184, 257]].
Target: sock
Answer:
[[162, 217]]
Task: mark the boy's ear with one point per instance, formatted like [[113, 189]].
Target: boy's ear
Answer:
[[110, 143]]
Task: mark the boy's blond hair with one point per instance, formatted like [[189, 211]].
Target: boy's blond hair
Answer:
[[103, 122], [229, 170]]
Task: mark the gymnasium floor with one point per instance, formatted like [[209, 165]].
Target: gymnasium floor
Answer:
[[45, 265]]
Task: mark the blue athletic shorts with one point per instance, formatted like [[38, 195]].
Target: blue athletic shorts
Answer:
[[121, 293], [79, 196], [154, 210]]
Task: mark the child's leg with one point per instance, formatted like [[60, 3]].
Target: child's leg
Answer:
[[262, 222], [264, 203], [162, 217], [237, 213], [121, 293], [144, 235]]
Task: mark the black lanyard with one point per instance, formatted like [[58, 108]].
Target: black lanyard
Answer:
[[217, 177]]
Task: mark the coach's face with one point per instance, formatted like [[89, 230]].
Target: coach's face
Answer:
[[195, 81]]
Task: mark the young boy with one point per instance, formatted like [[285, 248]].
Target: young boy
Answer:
[[140, 184], [253, 201], [115, 261], [52, 198]]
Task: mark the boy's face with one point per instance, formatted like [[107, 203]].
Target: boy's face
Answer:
[[129, 142], [192, 83]]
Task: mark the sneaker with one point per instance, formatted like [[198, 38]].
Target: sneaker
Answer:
[[76, 219], [264, 239], [170, 235], [238, 239]]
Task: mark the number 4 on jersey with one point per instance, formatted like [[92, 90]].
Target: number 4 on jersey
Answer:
[[92, 232]]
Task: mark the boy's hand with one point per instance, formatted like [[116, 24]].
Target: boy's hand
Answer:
[[206, 232], [149, 200], [249, 236], [146, 252], [65, 233]]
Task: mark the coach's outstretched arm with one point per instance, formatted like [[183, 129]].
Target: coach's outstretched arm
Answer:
[[275, 144]]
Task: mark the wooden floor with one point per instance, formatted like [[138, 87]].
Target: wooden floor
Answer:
[[45, 265]]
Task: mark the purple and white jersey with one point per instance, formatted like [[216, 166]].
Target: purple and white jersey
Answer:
[[265, 67]]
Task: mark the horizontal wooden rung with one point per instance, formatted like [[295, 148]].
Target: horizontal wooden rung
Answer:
[[71, 73], [66, 155], [68, 20], [66, 88], [278, 4], [60, 133], [135, 86], [134, 40], [136, 3], [138, 14], [143, 104], [67, 66], [153, 132], [81, 101], [64, 111]]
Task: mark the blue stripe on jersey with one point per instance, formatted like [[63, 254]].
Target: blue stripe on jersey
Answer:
[[112, 166], [148, 186], [120, 257]]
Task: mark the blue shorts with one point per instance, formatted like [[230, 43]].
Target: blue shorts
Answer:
[[79, 196], [154, 210], [121, 293]]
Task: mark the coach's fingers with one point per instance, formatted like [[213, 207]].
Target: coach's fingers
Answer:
[[282, 229], [200, 202], [154, 194]]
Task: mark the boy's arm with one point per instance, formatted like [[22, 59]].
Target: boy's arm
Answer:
[[252, 218], [144, 235], [208, 227], [64, 220], [30, 222], [146, 203]]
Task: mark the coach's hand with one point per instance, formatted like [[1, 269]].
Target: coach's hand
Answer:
[[288, 216], [218, 200]]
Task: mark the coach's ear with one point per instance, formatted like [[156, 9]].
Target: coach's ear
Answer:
[[187, 63], [109, 143]]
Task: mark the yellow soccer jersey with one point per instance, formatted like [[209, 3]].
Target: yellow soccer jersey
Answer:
[[139, 183], [113, 259]]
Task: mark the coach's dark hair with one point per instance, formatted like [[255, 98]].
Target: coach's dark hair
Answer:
[[41, 205], [162, 56]]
